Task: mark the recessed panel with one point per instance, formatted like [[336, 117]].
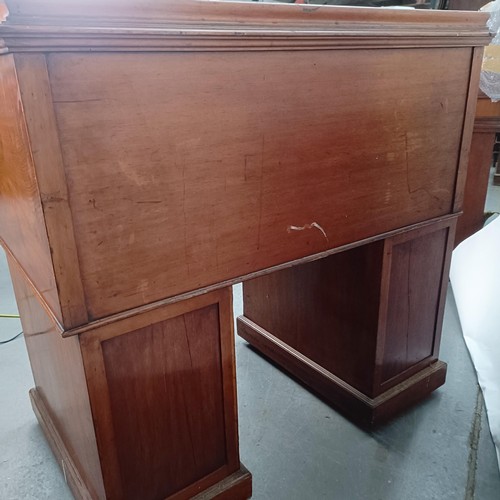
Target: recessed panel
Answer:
[[414, 290], [166, 402]]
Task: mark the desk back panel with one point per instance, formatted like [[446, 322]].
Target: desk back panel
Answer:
[[208, 166]]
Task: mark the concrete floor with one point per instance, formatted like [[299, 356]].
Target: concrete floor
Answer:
[[297, 447]]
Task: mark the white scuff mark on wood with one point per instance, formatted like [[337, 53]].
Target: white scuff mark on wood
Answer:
[[142, 288], [312, 225]]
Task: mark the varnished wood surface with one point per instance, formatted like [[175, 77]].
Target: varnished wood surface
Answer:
[[487, 108], [164, 402], [486, 126], [137, 311], [414, 301], [147, 378], [327, 310], [238, 486], [164, 149], [36, 96], [241, 14], [172, 405], [467, 129], [22, 228], [478, 173], [370, 317], [196, 201], [61, 391], [363, 410], [55, 193], [79, 487]]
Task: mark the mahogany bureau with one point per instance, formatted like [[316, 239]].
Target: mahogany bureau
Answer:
[[153, 153]]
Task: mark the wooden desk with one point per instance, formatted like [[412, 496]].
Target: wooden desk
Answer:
[[154, 153]]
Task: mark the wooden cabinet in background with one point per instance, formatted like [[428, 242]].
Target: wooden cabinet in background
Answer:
[[486, 126], [155, 153], [481, 149]]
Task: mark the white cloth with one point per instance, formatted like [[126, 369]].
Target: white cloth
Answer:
[[475, 278]]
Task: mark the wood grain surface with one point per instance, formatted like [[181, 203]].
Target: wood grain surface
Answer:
[[413, 302], [22, 227], [327, 310], [231, 14], [467, 129], [80, 488], [36, 96], [368, 319], [152, 152], [198, 201], [361, 409], [164, 400], [478, 174], [61, 385], [487, 108]]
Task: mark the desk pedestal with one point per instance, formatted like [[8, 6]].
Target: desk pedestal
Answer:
[[144, 407], [360, 328]]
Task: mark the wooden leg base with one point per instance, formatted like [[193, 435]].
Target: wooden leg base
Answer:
[[363, 410], [237, 486], [496, 180]]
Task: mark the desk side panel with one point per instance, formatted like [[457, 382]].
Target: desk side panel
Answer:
[[162, 388], [22, 225], [60, 381], [40, 121], [208, 166], [417, 275]]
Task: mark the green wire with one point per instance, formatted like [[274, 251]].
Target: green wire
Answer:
[[13, 338]]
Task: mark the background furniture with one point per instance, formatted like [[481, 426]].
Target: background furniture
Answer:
[[476, 186], [486, 126], [154, 153], [466, 4]]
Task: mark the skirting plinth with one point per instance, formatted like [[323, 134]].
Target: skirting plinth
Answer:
[[237, 486], [363, 410]]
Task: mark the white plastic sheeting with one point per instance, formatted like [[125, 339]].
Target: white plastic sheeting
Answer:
[[490, 74], [475, 278]]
